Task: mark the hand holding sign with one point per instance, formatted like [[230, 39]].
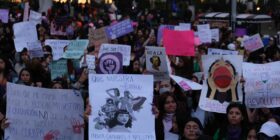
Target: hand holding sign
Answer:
[[109, 65]]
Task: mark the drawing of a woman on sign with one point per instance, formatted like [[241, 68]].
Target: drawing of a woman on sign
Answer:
[[222, 82], [114, 93], [121, 122], [156, 62], [116, 114], [129, 103]]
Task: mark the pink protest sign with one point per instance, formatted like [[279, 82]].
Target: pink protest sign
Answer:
[[179, 43], [4, 15], [184, 85], [253, 43], [196, 41]]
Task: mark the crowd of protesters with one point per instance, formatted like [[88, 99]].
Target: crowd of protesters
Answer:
[[175, 110]]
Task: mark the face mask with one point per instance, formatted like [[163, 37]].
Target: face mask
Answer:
[[163, 90]]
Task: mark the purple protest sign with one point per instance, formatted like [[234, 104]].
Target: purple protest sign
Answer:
[[160, 32], [110, 63], [4, 15], [239, 32], [119, 29]]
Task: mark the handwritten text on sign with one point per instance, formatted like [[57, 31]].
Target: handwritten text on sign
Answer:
[[39, 113], [125, 50], [262, 84], [253, 43]]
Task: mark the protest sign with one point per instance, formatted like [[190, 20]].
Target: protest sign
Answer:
[[262, 85], [4, 15], [125, 50], [123, 97], [97, 37], [186, 84], [110, 63], [239, 32], [160, 32], [35, 17], [186, 26], [197, 41], [215, 34], [20, 44], [59, 68], [205, 36], [43, 114], [179, 43], [26, 11], [45, 5], [75, 49], [57, 47], [156, 63], [221, 85], [90, 61], [214, 51], [35, 49], [59, 25], [202, 27], [183, 27], [24, 32], [119, 29], [253, 43]]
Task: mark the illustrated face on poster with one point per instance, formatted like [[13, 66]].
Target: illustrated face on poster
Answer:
[[116, 115], [156, 62], [221, 85], [222, 81]]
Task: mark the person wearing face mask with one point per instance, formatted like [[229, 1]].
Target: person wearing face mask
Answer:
[[193, 130]]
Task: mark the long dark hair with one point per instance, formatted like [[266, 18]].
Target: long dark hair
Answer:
[[114, 122], [243, 124]]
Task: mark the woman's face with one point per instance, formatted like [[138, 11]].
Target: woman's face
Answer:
[[234, 116], [123, 118], [191, 130], [136, 66], [2, 65], [25, 76], [24, 57], [57, 86], [170, 105], [252, 135]]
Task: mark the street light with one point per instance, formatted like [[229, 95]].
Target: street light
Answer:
[[108, 1]]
